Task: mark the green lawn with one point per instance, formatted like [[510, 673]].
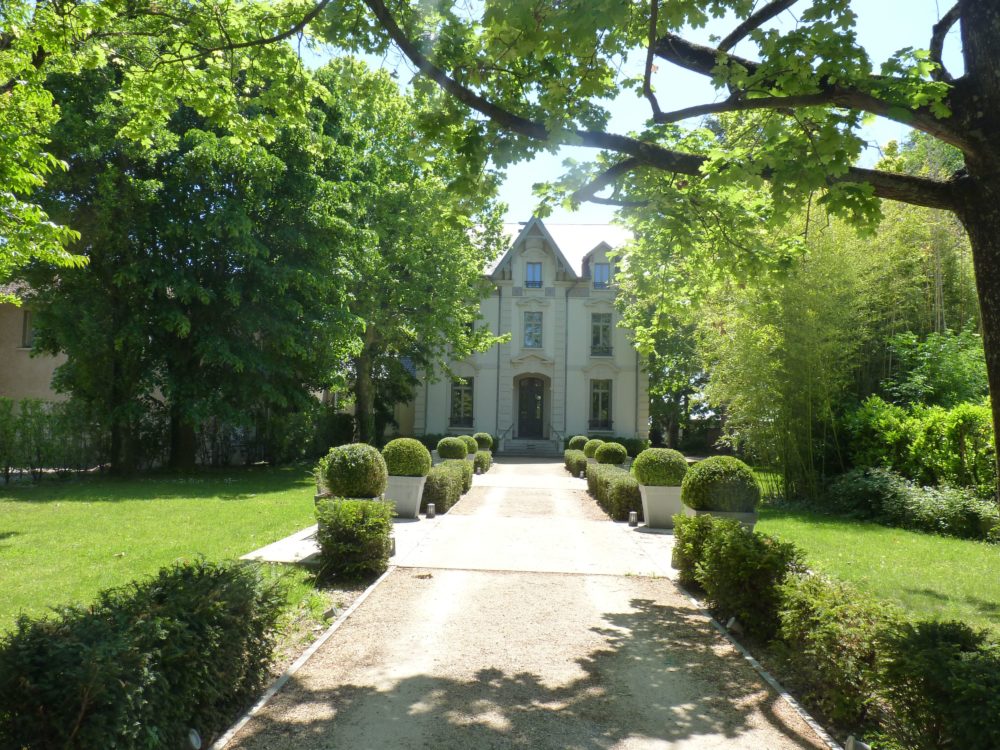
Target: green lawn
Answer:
[[932, 577], [62, 541]]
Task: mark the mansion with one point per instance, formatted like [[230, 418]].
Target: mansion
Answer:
[[568, 368]]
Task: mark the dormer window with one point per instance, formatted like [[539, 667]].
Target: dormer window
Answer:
[[602, 275], [533, 276]]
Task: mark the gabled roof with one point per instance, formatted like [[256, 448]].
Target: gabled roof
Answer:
[[572, 243]]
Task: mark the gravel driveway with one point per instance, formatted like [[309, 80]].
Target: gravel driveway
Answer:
[[449, 653]]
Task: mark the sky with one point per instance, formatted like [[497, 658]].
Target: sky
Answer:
[[884, 26]]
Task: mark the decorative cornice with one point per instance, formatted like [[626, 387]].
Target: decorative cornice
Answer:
[[529, 356], [533, 301]]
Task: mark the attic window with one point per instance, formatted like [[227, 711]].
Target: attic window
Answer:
[[533, 276], [602, 275]]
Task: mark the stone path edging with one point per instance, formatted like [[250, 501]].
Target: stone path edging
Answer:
[[279, 683]]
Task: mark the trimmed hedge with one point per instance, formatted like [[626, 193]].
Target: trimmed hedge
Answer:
[[575, 461], [353, 537], [660, 467], [443, 487], [591, 446], [484, 441], [483, 461], [854, 660], [144, 664], [356, 470], [576, 443], [465, 468], [452, 447], [406, 457], [614, 489], [611, 453], [471, 446], [721, 483]]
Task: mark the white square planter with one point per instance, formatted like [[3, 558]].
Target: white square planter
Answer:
[[591, 460], [470, 457], [404, 493], [660, 505], [747, 519]]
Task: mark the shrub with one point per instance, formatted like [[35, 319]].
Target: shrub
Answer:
[[430, 440], [406, 457], [452, 447], [690, 534], [831, 639], [471, 446], [484, 441], [483, 461], [591, 446], [942, 682], [598, 479], [741, 573], [576, 443], [633, 446], [443, 487], [353, 537], [143, 664], [355, 470], [720, 483], [611, 453], [575, 461], [465, 468], [623, 496], [660, 467]]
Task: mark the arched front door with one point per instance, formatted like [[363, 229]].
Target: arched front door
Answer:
[[530, 407]]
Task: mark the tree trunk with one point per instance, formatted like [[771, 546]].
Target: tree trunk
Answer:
[[183, 444], [364, 397]]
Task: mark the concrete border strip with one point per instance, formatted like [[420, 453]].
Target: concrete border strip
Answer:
[[279, 683], [765, 675]]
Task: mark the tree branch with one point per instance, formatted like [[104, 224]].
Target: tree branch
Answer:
[[608, 177], [647, 85], [938, 34], [754, 21]]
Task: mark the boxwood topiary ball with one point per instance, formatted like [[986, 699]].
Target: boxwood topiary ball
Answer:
[[484, 440], [591, 446], [721, 483], [406, 457], [660, 467], [471, 446], [452, 447], [611, 453], [577, 442], [356, 470]]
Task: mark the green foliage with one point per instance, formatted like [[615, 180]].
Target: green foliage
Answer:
[[690, 535], [942, 681], [354, 537], [483, 461], [142, 665], [611, 453], [355, 471], [831, 641], [591, 446], [575, 461], [614, 489], [576, 442], [443, 487], [471, 445], [944, 369], [721, 483], [484, 441], [633, 446], [465, 468], [36, 435], [741, 573], [452, 447], [660, 467], [406, 457], [886, 497]]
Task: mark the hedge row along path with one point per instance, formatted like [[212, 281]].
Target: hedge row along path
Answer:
[[526, 619]]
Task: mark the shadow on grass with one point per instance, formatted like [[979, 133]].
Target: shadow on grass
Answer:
[[657, 677], [989, 610], [222, 484]]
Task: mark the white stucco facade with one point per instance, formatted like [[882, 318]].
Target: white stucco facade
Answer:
[[568, 368]]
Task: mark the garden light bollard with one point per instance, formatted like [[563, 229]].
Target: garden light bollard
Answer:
[[583, 473], [633, 518], [430, 510]]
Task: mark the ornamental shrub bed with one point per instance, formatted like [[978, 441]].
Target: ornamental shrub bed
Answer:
[[144, 664], [576, 443], [611, 453], [443, 487], [465, 468], [452, 447], [484, 441], [721, 483], [483, 461], [615, 490], [854, 660], [406, 457], [471, 446], [591, 446], [575, 461], [354, 537], [660, 467], [355, 470]]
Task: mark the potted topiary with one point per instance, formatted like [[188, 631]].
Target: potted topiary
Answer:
[[408, 462], [471, 446], [721, 486], [356, 470], [589, 448], [451, 447], [660, 472], [613, 454], [484, 441], [576, 443]]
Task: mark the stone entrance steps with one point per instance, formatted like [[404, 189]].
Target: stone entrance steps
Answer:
[[531, 448]]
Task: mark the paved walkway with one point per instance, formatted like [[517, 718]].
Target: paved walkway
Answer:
[[525, 619]]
